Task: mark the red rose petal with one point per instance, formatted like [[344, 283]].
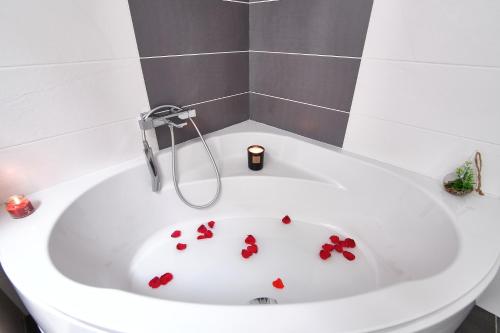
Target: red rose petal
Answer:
[[206, 234], [175, 234], [155, 282], [166, 278], [349, 256], [250, 240], [181, 246], [286, 219], [278, 284], [246, 254], [335, 239], [324, 254], [328, 247], [211, 224], [253, 248], [349, 242], [202, 229], [339, 248]]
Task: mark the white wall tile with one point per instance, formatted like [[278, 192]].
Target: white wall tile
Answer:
[[41, 164], [60, 31], [427, 92], [37, 102], [490, 299], [419, 150], [444, 31], [459, 100]]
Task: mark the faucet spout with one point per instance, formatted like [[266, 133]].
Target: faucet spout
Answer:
[[152, 166]]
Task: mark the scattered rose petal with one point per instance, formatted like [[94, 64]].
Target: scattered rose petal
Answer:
[[335, 239], [324, 254], [205, 235], [278, 284], [166, 278], [253, 248], [349, 242], [155, 282], [250, 240], [286, 219], [339, 248], [175, 234], [328, 247], [246, 254], [211, 224], [349, 256], [181, 246], [202, 229]]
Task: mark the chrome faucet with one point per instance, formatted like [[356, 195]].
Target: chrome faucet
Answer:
[[156, 117]]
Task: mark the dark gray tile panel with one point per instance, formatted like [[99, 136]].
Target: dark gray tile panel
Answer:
[[192, 79], [334, 27], [317, 123], [478, 321], [165, 27], [210, 117], [324, 81]]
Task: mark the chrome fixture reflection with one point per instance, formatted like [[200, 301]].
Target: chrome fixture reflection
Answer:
[[163, 115]]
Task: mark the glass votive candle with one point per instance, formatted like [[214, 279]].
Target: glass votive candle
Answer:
[[255, 157], [19, 206]]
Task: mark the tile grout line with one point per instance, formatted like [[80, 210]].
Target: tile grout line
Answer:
[[191, 54], [15, 146], [305, 54], [217, 99], [111, 60], [430, 63], [362, 114], [299, 102], [69, 63]]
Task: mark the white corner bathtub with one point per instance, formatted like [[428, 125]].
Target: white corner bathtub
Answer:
[[83, 260]]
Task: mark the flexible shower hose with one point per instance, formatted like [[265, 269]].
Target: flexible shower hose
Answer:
[[174, 170]]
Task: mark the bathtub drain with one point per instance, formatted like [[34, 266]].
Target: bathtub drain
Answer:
[[263, 300]]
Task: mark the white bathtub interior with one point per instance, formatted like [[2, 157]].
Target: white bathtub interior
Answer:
[[117, 234]]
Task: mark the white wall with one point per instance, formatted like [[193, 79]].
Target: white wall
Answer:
[[428, 91], [71, 87]]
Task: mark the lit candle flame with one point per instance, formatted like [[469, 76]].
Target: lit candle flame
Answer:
[[16, 199]]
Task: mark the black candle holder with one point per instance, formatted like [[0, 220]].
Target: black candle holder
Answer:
[[255, 157]]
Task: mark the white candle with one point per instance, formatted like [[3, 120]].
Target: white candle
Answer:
[[255, 149]]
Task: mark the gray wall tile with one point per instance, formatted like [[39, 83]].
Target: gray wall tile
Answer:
[[11, 319], [324, 81], [192, 79], [317, 123], [165, 27], [478, 321], [210, 117], [334, 27]]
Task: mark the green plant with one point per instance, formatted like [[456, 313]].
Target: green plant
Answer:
[[465, 178]]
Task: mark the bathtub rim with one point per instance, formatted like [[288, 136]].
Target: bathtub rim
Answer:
[[477, 244]]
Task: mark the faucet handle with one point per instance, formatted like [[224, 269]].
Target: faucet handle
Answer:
[[145, 124], [187, 114]]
